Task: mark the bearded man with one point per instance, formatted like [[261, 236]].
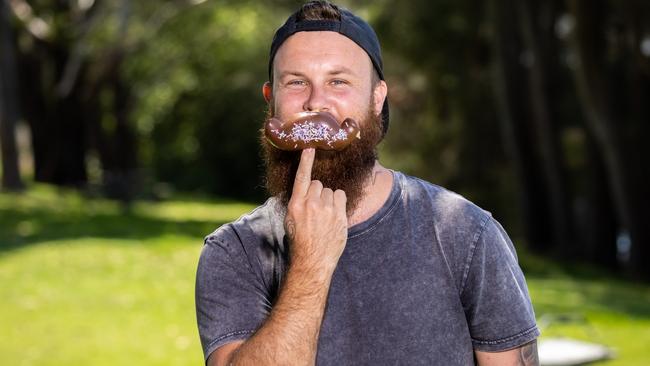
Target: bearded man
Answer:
[[351, 263]]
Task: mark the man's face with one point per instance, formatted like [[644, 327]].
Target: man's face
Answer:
[[325, 71]]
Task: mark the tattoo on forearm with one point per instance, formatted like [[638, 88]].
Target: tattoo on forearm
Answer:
[[290, 227], [528, 355]]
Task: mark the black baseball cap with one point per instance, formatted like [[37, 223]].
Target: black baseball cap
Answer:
[[350, 26]]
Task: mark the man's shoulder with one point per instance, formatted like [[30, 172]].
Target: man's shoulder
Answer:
[[443, 205]]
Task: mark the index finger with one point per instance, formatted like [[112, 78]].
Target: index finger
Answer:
[[303, 174]]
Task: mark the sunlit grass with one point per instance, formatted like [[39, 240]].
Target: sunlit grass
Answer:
[[604, 311], [100, 302], [191, 210], [85, 282]]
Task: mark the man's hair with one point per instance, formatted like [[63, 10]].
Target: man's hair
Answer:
[[324, 10], [318, 10]]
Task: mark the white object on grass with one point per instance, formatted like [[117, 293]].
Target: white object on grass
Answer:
[[568, 352]]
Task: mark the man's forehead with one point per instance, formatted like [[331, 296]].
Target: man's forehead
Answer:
[[321, 46]]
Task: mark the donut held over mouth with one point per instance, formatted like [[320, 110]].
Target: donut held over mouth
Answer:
[[318, 130]]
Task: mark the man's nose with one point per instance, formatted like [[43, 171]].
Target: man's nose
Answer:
[[316, 100]]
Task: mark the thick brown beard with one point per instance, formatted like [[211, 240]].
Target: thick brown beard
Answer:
[[347, 170]]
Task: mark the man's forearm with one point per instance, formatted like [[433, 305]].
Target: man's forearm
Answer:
[[290, 334], [525, 355]]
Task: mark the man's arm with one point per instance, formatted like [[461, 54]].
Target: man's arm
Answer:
[[316, 225], [290, 334], [525, 355]]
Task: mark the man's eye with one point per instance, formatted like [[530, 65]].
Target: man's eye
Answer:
[[296, 83], [339, 82]]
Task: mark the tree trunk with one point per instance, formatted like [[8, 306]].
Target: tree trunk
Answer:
[[509, 84], [56, 122], [609, 130], [119, 168], [8, 104], [637, 75], [546, 132], [598, 217], [34, 108]]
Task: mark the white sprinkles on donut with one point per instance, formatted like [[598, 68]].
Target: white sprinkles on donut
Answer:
[[308, 131]]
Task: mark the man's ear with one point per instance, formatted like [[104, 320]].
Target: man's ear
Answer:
[[379, 96], [267, 91]]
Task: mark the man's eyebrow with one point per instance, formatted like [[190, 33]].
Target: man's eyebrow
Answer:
[[337, 71], [294, 73], [341, 70]]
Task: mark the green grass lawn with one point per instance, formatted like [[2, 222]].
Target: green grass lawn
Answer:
[[84, 282]]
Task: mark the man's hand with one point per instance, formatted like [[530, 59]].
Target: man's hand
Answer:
[[316, 222]]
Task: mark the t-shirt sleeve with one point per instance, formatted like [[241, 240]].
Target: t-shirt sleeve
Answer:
[[231, 301], [495, 296]]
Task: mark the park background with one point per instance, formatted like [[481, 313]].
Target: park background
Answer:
[[129, 130]]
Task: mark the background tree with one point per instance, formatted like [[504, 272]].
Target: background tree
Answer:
[[545, 131], [613, 81], [8, 104]]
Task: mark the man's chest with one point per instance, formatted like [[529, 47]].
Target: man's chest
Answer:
[[395, 301]]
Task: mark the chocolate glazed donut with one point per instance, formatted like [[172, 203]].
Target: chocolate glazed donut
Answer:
[[319, 130]]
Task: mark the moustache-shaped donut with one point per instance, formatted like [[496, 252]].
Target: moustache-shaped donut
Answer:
[[319, 130]]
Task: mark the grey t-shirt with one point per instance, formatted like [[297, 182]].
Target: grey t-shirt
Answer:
[[425, 281]]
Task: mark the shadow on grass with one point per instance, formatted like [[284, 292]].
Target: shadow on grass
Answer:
[[19, 228]]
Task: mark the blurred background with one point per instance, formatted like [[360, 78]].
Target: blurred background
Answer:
[[129, 130]]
